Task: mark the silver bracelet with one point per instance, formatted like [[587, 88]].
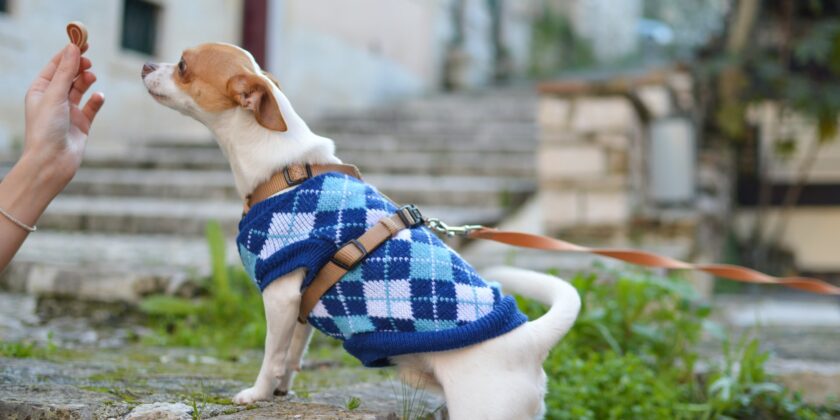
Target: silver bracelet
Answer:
[[20, 224]]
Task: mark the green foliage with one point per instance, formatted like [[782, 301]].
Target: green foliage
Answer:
[[742, 389], [632, 354], [798, 69], [18, 350], [412, 400], [27, 349], [353, 403], [228, 318], [555, 46]]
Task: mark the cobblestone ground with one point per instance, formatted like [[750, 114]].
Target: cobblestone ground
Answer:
[[73, 370], [76, 371]]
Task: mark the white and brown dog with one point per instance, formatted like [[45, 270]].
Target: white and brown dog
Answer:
[[256, 127]]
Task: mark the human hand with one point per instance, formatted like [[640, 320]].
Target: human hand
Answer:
[[56, 126]]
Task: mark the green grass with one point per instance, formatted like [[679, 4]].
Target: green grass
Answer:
[[632, 354], [28, 349], [227, 318], [353, 403]]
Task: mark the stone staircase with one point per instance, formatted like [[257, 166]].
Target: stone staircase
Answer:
[[132, 224]]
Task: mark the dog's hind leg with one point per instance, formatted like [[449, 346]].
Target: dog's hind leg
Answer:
[[294, 357], [487, 388], [281, 300], [501, 378], [416, 373]]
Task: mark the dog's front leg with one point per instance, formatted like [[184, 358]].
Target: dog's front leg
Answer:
[[281, 300], [294, 359]]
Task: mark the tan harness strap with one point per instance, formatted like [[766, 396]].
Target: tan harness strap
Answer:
[[354, 252], [293, 175]]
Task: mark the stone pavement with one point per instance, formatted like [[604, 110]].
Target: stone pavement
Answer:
[[82, 368]]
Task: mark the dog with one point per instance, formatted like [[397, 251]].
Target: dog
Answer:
[[255, 125]]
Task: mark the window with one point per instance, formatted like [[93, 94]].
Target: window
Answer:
[[140, 25]]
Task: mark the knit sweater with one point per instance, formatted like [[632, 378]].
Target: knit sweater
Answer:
[[412, 294]]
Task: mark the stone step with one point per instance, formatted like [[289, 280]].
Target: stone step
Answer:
[[143, 215], [216, 185], [458, 108], [450, 190], [171, 157], [161, 153], [100, 265], [485, 162], [513, 164], [107, 267], [139, 215], [388, 143], [428, 127], [205, 184]]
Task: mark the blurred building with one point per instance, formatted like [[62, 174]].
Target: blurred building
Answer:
[[328, 54], [123, 35], [336, 54]]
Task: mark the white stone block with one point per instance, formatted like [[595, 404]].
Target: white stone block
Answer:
[[560, 208], [553, 112], [656, 99], [614, 140], [603, 114], [606, 207], [557, 135], [571, 161]]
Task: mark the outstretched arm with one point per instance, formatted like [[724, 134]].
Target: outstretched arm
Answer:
[[56, 130]]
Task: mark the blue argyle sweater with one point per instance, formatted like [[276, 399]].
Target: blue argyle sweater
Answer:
[[412, 294]]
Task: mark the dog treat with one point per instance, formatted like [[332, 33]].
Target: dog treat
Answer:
[[77, 33]]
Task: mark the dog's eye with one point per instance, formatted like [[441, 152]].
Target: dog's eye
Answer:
[[182, 66]]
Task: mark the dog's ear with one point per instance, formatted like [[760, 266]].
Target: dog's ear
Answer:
[[272, 78], [253, 92]]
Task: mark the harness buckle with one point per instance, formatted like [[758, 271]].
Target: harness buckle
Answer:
[[347, 266], [287, 175], [410, 216]]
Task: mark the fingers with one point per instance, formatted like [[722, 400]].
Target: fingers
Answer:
[[46, 75], [80, 86], [84, 64], [64, 74], [92, 107], [48, 70]]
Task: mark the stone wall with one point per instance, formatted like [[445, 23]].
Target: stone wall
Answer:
[[619, 165]]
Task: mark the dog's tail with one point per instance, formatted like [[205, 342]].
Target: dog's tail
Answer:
[[563, 301]]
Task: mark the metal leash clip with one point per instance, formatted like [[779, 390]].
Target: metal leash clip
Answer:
[[451, 231]]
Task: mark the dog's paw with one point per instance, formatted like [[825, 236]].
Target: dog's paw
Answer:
[[249, 396], [283, 392]]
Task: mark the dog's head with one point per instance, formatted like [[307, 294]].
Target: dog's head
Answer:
[[211, 79]]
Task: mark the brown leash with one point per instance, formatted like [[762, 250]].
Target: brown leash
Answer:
[[647, 259]]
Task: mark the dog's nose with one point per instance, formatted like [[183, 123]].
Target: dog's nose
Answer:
[[148, 68]]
